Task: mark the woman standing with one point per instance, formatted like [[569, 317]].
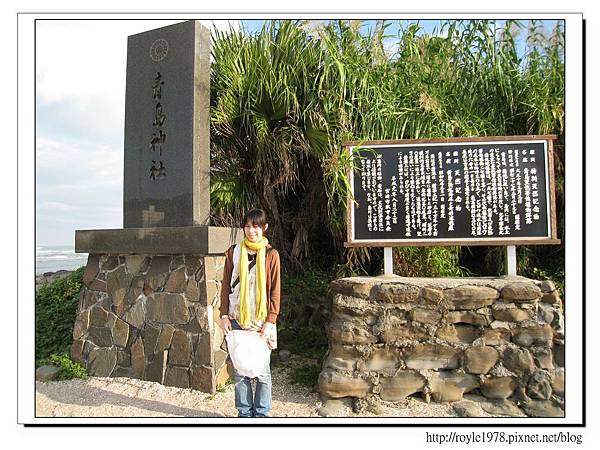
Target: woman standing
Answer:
[[250, 295]]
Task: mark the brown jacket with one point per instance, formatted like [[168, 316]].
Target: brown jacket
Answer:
[[273, 283]]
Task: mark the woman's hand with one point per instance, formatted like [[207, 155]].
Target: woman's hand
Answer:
[[268, 332], [226, 324]]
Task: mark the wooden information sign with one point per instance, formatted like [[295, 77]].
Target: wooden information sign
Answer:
[[496, 190]]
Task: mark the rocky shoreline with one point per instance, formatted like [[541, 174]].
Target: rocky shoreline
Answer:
[[49, 277]]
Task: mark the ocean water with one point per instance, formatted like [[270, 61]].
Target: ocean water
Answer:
[[58, 257]]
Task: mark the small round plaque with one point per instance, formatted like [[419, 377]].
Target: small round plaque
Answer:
[[159, 50]]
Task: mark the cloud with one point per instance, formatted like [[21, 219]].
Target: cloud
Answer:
[[80, 74], [80, 111]]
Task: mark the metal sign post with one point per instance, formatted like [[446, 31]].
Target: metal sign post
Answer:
[[388, 261], [510, 260]]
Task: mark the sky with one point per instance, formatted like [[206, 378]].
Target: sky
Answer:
[[80, 110]]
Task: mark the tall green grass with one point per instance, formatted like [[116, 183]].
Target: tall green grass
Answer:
[[284, 99]]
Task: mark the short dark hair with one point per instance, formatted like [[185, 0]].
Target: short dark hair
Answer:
[[255, 217]]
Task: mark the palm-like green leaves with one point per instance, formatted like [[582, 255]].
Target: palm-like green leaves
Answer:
[[284, 99]]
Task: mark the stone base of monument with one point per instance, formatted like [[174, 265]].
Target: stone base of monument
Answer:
[[154, 315], [440, 338]]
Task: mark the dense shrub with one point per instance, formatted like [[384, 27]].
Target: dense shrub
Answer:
[[55, 311], [69, 368]]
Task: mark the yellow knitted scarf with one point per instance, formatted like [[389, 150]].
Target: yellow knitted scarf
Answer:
[[261, 280]]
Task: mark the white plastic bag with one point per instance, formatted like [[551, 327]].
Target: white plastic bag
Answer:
[[248, 351]]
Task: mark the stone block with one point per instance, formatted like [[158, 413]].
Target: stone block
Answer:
[[97, 285], [539, 385], [164, 339], [119, 330], [518, 360], [539, 335], [498, 387], [88, 298], [552, 298], [123, 358], [47, 373], [547, 286], [558, 351], [400, 386], [136, 264], [203, 379], [198, 322], [431, 297], [220, 356], [459, 333], [212, 292], [223, 374], [545, 313], [218, 336], [354, 306], [192, 264], [542, 408], [166, 307], [382, 358], [157, 366], [335, 385], [158, 272], [82, 323], [117, 284], [352, 333], [192, 293], [520, 292], [450, 386], [136, 314], [177, 261], [138, 362], [77, 350], [469, 317], [213, 268], [180, 352], [498, 336], [469, 297], [403, 333], [98, 316], [150, 335], [177, 376], [425, 315], [109, 262], [102, 361], [91, 269], [395, 293], [480, 359], [203, 351], [341, 357], [510, 314], [543, 358], [176, 281], [558, 381], [101, 337], [432, 356]]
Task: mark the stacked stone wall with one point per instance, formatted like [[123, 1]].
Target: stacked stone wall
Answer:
[[152, 317], [501, 338]]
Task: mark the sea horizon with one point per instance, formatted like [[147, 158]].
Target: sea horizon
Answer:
[[52, 258]]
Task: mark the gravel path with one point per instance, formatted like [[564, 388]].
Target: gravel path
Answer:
[[126, 397]]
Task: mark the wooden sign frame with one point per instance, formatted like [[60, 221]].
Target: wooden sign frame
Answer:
[[552, 240]]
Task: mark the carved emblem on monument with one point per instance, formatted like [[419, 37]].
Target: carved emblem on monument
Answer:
[[159, 50]]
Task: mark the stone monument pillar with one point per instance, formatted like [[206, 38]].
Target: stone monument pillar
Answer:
[[150, 305]]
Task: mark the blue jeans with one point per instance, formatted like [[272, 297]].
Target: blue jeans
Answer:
[[248, 405]]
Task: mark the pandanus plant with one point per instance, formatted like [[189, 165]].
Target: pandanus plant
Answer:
[[284, 99]]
